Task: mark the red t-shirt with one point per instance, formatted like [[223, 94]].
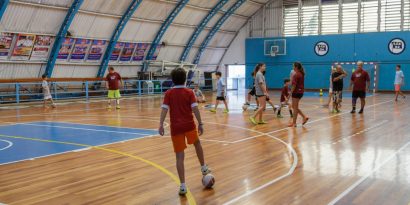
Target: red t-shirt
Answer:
[[285, 93], [359, 79], [113, 81], [180, 101], [299, 83]]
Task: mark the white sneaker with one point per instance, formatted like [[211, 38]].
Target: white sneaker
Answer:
[[205, 170], [182, 190]]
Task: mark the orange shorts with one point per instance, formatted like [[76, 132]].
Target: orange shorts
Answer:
[[179, 140], [397, 87]]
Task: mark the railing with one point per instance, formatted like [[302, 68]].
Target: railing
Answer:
[[32, 91]]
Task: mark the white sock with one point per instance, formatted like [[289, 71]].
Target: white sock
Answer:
[[204, 167], [183, 185]]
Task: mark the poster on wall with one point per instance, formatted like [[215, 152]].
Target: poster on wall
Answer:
[[6, 39], [65, 49], [96, 50], [155, 56], [116, 52], [140, 51], [23, 47], [42, 46], [127, 52], [80, 49]]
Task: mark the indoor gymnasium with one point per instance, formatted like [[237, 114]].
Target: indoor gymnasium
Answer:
[[219, 102]]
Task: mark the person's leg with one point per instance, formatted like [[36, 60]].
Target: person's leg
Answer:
[[262, 101], [295, 105], [280, 110], [44, 102], [354, 100], [396, 92], [362, 104], [226, 105], [180, 166], [248, 99], [199, 152]]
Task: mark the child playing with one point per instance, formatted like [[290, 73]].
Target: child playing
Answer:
[[46, 91], [220, 93], [200, 98], [181, 102], [284, 98], [113, 82]]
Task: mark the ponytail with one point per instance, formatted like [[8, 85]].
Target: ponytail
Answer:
[[299, 67]]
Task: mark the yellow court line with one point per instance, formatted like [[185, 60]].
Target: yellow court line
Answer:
[[190, 197]]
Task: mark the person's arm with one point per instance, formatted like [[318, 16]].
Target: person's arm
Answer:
[[368, 83], [351, 82], [198, 118], [164, 113], [106, 82], [223, 89]]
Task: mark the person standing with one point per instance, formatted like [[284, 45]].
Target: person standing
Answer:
[[298, 89], [113, 82], [337, 81], [46, 92], [220, 93], [261, 93], [398, 82], [359, 83]]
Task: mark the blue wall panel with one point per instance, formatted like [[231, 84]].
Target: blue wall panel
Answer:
[[344, 48]]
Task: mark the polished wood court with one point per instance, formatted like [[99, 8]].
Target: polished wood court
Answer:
[[334, 159]]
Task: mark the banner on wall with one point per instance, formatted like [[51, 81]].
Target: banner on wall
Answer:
[[65, 49], [127, 52], [140, 51], [80, 49], [96, 50], [155, 56], [42, 46], [6, 39], [23, 47], [117, 51]]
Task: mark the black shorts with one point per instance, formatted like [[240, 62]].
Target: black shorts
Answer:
[[220, 98], [359, 94], [252, 92], [297, 95]]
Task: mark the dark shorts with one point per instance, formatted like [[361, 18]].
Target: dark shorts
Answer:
[[252, 92], [359, 94], [220, 98], [258, 96], [297, 95]]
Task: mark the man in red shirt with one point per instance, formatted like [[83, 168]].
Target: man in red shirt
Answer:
[[360, 81], [181, 102], [113, 82]]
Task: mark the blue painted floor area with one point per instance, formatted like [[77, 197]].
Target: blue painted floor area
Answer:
[[94, 135], [326, 94]]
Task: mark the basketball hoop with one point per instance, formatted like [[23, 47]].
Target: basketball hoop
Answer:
[[273, 54], [274, 50]]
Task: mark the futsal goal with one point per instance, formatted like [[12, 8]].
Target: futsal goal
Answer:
[[371, 68]]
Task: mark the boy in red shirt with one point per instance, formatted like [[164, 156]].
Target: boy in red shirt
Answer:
[[284, 98], [360, 81], [181, 102], [113, 81]]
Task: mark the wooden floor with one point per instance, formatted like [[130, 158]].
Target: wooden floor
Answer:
[[334, 159]]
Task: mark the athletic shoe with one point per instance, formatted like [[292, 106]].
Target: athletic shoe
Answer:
[[334, 111], [361, 111], [305, 121], [118, 107], [279, 116], [226, 111], [353, 111], [246, 104], [205, 170], [213, 110], [252, 119], [53, 105], [291, 125], [256, 108], [182, 191], [262, 122], [274, 109], [109, 107]]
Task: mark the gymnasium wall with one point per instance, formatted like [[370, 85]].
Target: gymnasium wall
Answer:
[[371, 47]]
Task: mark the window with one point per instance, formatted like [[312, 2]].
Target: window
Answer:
[[369, 16], [390, 15], [349, 17], [406, 23], [330, 18], [291, 21], [310, 20]]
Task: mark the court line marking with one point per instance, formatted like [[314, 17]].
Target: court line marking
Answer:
[[290, 172], [311, 122], [77, 150], [361, 132], [77, 128], [102, 125], [191, 199], [8, 146], [362, 179]]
